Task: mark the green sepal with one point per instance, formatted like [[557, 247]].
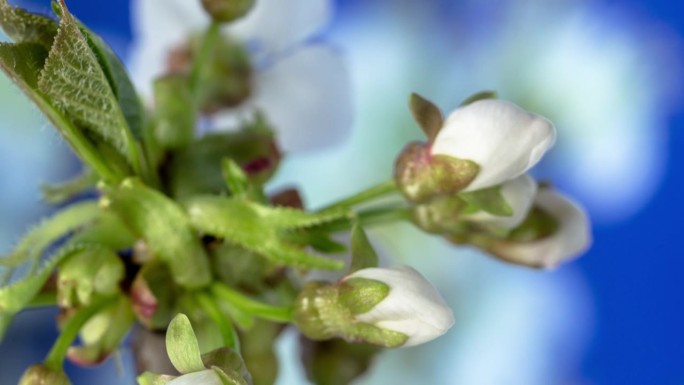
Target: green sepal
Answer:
[[489, 200], [42, 375], [537, 225], [361, 295], [148, 378], [482, 95], [363, 254], [229, 379], [164, 226], [230, 363], [174, 114], [227, 10], [182, 346], [77, 85], [421, 176], [427, 115], [258, 228], [23, 26]]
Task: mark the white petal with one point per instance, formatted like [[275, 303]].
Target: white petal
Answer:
[[305, 96], [272, 26], [571, 239], [519, 193], [158, 27], [412, 307], [205, 377], [502, 138]]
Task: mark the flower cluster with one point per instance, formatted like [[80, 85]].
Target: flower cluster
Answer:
[[469, 182]]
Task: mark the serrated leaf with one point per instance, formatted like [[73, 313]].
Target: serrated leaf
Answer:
[[62, 192], [254, 227], [363, 254], [77, 86], [489, 200], [36, 241], [182, 346], [165, 227], [22, 63], [479, 96], [427, 115], [23, 26]]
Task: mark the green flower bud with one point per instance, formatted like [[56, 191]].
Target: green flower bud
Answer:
[[227, 10], [41, 375], [335, 362]]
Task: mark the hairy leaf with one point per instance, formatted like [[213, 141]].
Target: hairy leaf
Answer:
[[23, 26]]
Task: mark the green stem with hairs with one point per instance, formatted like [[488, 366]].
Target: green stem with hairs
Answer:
[[373, 192], [256, 308]]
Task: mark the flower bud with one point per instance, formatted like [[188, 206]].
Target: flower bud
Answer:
[[41, 375], [387, 307], [556, 231], [227, 10], [501, 138]]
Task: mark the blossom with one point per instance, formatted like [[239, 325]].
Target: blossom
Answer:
[[412, 307], [570, 239], [302, 88], [501, 138]]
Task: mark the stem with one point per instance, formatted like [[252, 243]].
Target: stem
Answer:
[[230, 337], [43, 299], [211, 37], [369, 217], [258, 309], [55, 358], [377, 191]]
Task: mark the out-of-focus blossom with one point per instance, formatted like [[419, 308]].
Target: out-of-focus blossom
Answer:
[[504, 140], [302, 88]]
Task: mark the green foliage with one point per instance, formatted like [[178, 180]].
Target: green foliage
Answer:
[[363, 254], [182, 347], [164, 227]]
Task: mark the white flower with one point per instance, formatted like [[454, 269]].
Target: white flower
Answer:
[[303, 89], [572, 237], [204, 377], [519, 193], [503, 139], [412, 307]]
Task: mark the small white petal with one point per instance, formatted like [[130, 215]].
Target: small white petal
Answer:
[[205, 377], [519, 193], [571, 239], [503, 139], [412, 307], [273, 26], [305, 96]]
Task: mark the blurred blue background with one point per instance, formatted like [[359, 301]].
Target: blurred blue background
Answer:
[[608, 73]]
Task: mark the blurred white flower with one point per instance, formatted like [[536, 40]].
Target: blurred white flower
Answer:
[[413, 306], [571, 238], [503, 139], [302, 88]]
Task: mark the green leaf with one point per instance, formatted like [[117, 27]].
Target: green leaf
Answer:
[[87, 272], [34, 243], [22, 63], [182, 346], [427, 115], [23, 26], [257, 228], [60, 193], [165, 228], [235, 177], [76, 84], [479, 96], [489, 200], [363, 254]]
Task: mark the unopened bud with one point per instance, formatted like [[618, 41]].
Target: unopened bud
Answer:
[[41, 375]]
